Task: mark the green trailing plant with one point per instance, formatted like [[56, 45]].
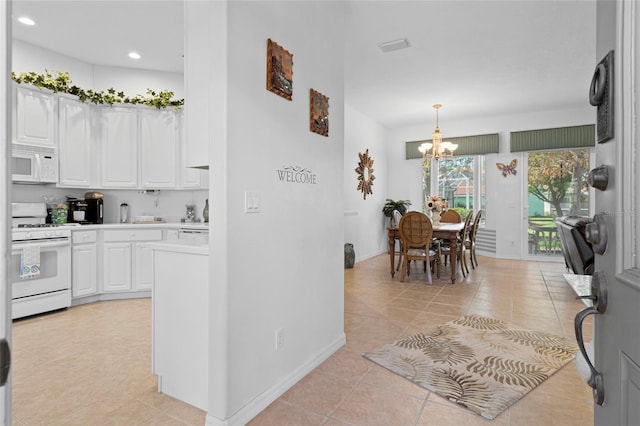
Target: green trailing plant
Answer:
[[58, 81], [391, 205]]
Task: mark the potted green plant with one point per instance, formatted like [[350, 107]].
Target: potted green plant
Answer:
[[391, 205]]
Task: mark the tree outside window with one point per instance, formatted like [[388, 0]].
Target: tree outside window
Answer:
[[559, 178]]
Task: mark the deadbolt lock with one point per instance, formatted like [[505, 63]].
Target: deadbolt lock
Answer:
[[599, 177]]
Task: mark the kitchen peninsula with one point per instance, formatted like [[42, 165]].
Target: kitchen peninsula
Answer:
[[180, 318]]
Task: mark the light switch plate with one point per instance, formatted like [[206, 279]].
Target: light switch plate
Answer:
[[251, 202]]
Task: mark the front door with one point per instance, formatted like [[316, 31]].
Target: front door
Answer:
[[617, 329], [5, 175]]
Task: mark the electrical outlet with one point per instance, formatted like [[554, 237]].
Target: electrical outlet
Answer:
[[279, 338]]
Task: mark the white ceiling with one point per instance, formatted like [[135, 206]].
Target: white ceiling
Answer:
[[478, 58]]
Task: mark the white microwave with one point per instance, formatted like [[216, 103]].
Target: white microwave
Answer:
[[34, 164]]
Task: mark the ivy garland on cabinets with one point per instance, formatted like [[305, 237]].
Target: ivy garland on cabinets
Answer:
[[58, 81]]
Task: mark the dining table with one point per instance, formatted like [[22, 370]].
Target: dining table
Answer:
[[448, 231]]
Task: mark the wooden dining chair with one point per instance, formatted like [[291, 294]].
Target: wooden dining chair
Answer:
[[470, 241], [461, 248], [450, 216], [416, 234], [397, 216]]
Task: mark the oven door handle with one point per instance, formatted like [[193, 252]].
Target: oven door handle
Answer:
[[44, 244]]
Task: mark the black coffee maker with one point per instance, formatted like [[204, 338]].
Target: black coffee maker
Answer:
[[95, 207], [77, 212]]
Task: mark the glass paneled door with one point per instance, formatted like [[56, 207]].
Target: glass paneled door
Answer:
[[557, 186]]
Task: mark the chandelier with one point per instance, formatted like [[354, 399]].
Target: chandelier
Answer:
[[441, 149]]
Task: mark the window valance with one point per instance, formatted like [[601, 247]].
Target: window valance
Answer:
[[561, 137], [467, 145]]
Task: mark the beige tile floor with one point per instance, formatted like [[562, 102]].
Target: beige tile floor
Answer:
[[90, 365]]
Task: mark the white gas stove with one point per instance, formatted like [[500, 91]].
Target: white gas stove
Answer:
[[40, 261]]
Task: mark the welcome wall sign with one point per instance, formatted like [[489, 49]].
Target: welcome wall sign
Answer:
[[297, 174]]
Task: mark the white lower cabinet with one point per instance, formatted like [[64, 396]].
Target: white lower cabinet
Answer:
[[143, 267], [84, 263], [117, 267], [127, 263], [114, 262]]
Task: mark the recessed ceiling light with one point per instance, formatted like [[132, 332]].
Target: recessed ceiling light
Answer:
[[26, 20], [134, 55], [389, 46]]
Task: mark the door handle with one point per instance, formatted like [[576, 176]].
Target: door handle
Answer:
[[5, 361], [596, 91], [601, 96], [599, 297]]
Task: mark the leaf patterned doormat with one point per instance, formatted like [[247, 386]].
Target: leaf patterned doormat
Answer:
[[482, 364]]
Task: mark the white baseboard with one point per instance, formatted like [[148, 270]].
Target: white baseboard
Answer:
[[262, 401], [370, 255], [140, 294]]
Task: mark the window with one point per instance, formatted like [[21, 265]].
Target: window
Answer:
[[460, 180]]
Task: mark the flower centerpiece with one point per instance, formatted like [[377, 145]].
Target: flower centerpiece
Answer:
[[436, 205]]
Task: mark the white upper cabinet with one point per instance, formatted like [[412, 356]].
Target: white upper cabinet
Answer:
[[188, 177], [158, 151], [119, 159], [75, 144], [119, 147], [34, 117]]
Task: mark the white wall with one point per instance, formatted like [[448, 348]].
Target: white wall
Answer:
[[364, 223], [171, 205], [134, 81], [27, 57], [284, 265], [506, 197]]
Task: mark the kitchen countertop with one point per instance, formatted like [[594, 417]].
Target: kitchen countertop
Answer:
[[167, 225]]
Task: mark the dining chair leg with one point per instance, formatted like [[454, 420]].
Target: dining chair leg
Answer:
[[461, 260], [466, 267], [404, 270], [475, 258], [471, 257], [428, 271]]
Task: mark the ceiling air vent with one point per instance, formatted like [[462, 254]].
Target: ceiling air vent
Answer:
[[390, 46]]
